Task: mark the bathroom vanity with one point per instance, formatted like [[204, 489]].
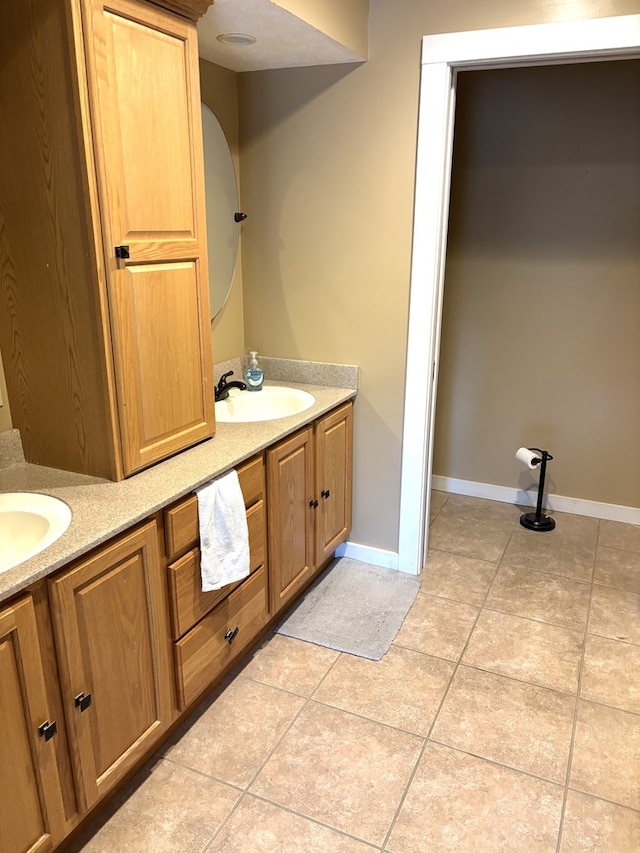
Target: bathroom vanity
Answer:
[[102, 654]]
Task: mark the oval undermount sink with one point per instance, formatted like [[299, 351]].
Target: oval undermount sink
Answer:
[[274, 401], [29, 523]]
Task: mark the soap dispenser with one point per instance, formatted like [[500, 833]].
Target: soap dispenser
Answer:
[[253, 375]]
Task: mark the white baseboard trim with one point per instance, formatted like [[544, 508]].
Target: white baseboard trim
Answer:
[[367, 554], [557, 503]]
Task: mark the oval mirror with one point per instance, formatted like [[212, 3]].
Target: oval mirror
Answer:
[[221, 191]]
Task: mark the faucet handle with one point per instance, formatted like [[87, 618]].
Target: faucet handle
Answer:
[[223, 380]]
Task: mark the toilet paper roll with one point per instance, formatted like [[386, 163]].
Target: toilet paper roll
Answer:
[[527, 457]]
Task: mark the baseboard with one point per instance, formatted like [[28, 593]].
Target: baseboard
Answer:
[[366, 554], [557, 503]]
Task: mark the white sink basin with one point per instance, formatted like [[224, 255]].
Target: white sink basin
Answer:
[[274, 401], [29, 523]]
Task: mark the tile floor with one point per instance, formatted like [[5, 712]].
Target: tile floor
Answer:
[[505, 717]]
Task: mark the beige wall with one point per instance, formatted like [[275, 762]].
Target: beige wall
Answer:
[[541, 342], [327, 160], [219, 91]]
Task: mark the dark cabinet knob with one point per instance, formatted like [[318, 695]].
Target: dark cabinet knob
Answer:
[[83, 701], [313, 504], [47, 730], [122, 253], [325, 493], [231, 635]]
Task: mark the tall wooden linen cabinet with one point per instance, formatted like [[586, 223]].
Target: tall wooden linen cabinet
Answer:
[[104, 306]]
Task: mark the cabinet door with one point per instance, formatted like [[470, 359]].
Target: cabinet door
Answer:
[[112, 636], [334, 454], [32, 813], [291, 513], [146, 121]]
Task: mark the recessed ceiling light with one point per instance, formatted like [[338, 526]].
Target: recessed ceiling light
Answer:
[[237, 39]]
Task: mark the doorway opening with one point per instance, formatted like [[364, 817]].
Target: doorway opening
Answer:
[[443, 57]]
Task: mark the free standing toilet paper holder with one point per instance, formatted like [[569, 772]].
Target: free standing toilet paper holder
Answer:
[[536, 520]]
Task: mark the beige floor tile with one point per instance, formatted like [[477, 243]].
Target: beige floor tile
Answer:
[[471, 537], [619, 569], [576, 527], [461, 578], [457, 802], [606, 754], [519, 725], [526, 649], [404, 689], [437, 626], [290, 664], [552, 552], [615, 613], [232, 737], [167, 809], [595, 826], [341, 769], [538, 595], [466, 508], [438, 500], [614, 534], [611, 673], [259, 827]]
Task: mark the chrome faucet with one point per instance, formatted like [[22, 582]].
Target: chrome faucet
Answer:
[[222, 388]]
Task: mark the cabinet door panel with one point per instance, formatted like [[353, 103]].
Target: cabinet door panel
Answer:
[[291, 518], [334, 443], [32, 810], [112, 647], [165, 399], [148, 125]]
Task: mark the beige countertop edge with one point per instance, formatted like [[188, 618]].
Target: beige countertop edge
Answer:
[[102, 508]]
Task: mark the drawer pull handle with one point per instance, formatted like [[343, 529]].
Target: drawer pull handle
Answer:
[[231, 635], [47, 730], [325, 493], [83, 701]]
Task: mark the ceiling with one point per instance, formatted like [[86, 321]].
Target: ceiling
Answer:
[[283, 40]]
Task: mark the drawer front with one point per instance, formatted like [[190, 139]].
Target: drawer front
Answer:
[[205, 651], [182, 530], [188, 602], [251, 476], [257, 524], [181, 526]]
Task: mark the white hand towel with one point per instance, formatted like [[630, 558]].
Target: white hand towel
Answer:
[[224, 536]]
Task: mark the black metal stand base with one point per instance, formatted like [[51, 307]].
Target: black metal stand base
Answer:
[[532, 522]]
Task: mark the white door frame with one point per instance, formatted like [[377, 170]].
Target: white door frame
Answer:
[[442, 57]]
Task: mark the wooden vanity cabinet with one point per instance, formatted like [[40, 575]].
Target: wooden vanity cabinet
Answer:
[[30, 786], [309, 478], [104, 307], [111, 628]]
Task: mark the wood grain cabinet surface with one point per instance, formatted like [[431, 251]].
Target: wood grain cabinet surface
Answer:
[[104, 320], [309, 478], [111, 627], [30, 789], [211, 629]]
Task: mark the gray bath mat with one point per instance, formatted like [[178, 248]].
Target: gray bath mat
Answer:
[[354, 607]]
